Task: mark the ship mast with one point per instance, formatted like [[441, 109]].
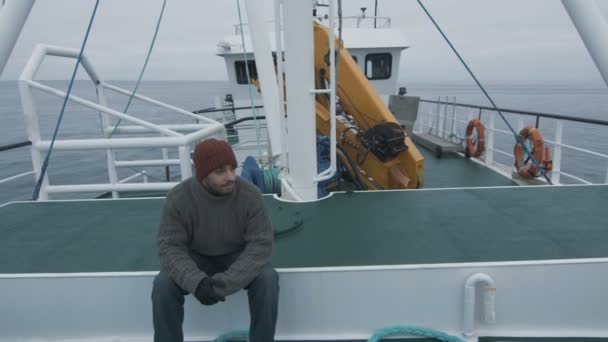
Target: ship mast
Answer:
[[13, 15], [593, 29]]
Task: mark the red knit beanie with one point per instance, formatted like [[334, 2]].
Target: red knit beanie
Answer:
[[212, 154]]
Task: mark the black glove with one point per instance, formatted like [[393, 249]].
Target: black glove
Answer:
[[206, 294]]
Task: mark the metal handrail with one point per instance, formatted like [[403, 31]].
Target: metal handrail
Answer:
[[557, 142], [523, 112]]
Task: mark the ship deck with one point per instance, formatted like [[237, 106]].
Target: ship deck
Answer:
[[466, 225]]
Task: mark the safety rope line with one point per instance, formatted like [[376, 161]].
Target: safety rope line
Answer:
[[518, 138], [45, 164], [143, 69]]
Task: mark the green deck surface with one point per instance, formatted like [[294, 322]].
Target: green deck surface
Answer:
[[371, 228], [452, 170]]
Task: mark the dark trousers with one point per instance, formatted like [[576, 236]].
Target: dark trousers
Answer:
[[168, 301]]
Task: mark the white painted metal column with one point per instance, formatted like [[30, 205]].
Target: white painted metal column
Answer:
[[592, 26], [278, 36], [557, 153], [105, 122], [32, 126], [12, 18], [301, 125], [490, 139], [266, 73], [184, 162]]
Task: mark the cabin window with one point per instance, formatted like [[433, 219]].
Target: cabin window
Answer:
[[378, 66], [241, 73], [356, 60]]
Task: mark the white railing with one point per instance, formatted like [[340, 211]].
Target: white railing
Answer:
[[15, 177], [434, 116], [166, 136], [348, 21]]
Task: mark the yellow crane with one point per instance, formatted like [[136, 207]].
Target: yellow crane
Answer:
[[372, 145]]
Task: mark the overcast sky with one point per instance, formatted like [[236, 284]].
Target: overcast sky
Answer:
[[519, 40]]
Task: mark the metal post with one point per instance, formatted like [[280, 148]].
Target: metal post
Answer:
[[431, 116], [438, 117], [167, 168], [32, 126], [278, 10], [184, 162], [105, 122], [557, 152], [301, 119], [593, 29], [12, 18], [453, 118], [375, 12], [445, 115], [490, 140], [266, 72], [331, 171]]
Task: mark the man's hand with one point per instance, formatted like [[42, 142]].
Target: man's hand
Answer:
[[206, 294]]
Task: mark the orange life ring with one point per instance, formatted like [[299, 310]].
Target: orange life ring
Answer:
[[539, 151], [475, 149]]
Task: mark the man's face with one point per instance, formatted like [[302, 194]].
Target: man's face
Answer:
[[221, 180]]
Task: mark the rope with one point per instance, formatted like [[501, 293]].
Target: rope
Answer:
[[242, 335], [417, 331], [272, 184], [45, 164], [253, 107], [518, 138], [239, 335], [143, 69]]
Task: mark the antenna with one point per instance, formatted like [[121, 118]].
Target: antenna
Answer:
[[363, 12]]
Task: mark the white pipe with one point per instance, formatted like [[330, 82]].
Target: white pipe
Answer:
[[592, 26], [184, 161], [13, 16], [132, 177], [158, 103], [278, 10], [111, 187], [143, 130], [32, 126], [105, 121], [205, 133], [6, 180], [153, 162], [490, 140], [331, 171], [43, 50], [101, 108], [299, 67], [99, 144], [288, 189], [266, 73], [557, 152], [112, 174], [489, 301]]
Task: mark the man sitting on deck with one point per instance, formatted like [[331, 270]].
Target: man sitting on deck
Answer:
[[215, 238]]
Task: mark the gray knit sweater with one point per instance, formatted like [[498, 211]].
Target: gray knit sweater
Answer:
[[193, 220]]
